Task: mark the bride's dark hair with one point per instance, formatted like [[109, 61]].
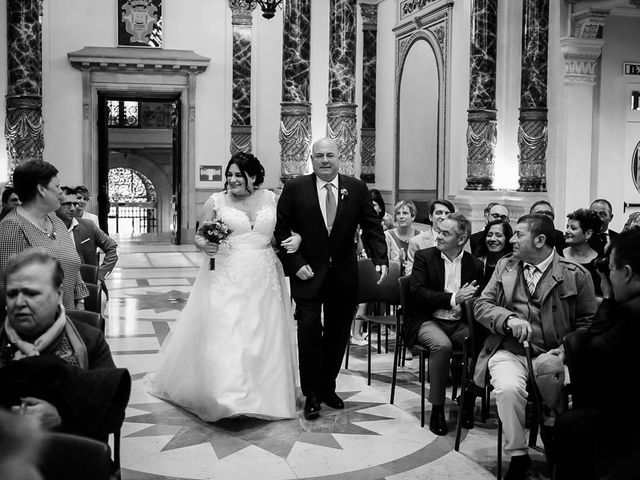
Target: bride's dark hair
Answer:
[[249, 166]]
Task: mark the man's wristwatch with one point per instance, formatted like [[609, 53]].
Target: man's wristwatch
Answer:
[[506, 328]]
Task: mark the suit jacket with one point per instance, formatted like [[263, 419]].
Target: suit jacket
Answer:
[[427, 287], [299, 211], [87, 237], [598, 242], [475, 242], [568, 302]]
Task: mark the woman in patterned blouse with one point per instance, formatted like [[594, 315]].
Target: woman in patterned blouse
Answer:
[[34, 224]]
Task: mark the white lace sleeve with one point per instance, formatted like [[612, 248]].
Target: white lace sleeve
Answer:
[[270, 197]]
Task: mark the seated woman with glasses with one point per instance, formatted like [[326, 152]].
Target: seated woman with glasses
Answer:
[[581, 225]]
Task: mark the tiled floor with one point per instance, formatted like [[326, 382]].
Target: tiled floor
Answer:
[[370, 439]]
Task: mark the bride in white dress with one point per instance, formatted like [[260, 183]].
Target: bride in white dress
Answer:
[[232, 349]]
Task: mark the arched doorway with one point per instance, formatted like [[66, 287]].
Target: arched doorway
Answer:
[[133, 203]]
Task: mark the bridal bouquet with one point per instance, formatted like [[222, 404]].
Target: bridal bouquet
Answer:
[[214, 231]]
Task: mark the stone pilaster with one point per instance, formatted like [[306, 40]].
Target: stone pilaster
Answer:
[[295, 113], [369, 61], [532, 132], [341, 109], [582, 52], [481, 129], [241, 109], [23, 123]]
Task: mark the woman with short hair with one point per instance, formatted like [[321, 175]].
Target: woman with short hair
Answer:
[[582, 224], [35, 224]]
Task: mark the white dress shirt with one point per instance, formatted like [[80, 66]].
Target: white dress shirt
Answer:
[[452, 281], [536, 273]]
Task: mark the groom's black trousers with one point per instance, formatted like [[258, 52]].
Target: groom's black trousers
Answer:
[[321, 347]]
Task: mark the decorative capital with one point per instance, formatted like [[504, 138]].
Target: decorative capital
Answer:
[[589, 23], [581, 58], [369, 13], [241, 11]]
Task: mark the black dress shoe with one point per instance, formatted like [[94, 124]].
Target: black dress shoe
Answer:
[[333, 400], [468, 409], [437, 422], [311, 408], [518, 468]]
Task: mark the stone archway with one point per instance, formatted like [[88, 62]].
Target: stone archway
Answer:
[[145, 72]]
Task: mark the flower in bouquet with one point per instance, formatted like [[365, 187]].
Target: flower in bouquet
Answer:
[[214, 231]]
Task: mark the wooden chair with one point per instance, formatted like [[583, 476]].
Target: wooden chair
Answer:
[[91, 318], [89, 273], [421, 351], [386, 293], [93, 302]]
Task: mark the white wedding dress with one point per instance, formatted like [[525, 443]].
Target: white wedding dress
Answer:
[[232, 351]]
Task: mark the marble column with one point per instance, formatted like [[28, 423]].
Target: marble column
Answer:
[[295, 113], [23, 127], [369, 58], [341, 109], [482, 115], [532, 132], [241, 72]]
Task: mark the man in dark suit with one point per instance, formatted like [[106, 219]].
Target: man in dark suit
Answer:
[[543, 207], [592, 441], [325, 208], [600, 241], [87, 237], [443, 277]]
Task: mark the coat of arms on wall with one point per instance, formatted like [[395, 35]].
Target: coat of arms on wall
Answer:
[[140, 23]]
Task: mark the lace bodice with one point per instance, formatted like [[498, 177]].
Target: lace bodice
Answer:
[[245, 234]]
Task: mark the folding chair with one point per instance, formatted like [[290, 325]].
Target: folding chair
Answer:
[[89, 273], [387, 293], [93, 302], [91, 318]]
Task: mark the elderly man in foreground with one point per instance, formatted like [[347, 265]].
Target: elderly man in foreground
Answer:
[[54, 368], [535, 296]]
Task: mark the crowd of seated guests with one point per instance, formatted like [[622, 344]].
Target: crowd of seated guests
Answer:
[[54, 370], [534, 284]]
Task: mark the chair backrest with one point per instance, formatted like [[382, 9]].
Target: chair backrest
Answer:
[[368, 288], [89, 273], [93, 302], [90, 318], [580, 368], [73, 457], [477, 332], [405, 295]]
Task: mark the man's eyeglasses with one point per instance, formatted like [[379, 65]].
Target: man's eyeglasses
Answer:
[[70, 204], [497, 216]]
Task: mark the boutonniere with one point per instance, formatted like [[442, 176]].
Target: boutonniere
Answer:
[[343, 193]]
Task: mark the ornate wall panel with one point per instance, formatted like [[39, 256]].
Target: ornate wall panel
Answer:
[[430, 22]]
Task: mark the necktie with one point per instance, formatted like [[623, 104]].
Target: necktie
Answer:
[[331, 206], [529, 276]]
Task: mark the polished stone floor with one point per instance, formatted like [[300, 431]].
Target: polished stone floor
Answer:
[[369, 439]]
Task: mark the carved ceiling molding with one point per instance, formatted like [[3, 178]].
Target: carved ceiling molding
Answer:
[[138, 60]]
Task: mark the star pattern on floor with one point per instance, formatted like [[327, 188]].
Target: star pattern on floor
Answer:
[[231, 435], [160, 302]]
